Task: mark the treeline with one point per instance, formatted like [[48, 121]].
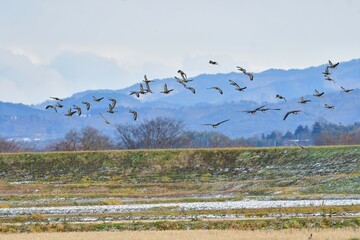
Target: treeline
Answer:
[[171, 133]]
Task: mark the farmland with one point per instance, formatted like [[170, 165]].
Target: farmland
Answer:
[[321, 184]]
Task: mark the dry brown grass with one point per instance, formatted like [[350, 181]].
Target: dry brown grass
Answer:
[[324, 234]]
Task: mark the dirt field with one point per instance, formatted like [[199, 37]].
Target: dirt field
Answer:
[[328, 234]]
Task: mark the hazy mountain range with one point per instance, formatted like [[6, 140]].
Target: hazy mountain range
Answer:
[[206, 106]]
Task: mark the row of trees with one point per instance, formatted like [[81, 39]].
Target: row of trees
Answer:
[[170, 133]]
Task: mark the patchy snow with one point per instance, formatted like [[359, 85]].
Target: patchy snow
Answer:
[[244, 204]]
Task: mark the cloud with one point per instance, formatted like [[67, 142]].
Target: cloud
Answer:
[[89, 71], [23, 81]]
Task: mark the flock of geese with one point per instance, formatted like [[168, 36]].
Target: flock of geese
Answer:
[[183, 80]]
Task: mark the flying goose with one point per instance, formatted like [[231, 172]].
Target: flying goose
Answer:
[[215, 125], [183, 75], [59, 105], [250, 75], [137, 93], [240, 89], [253, 112], [166, 90], [70, 113], [146, 80], [57, 99], [303, 100], [78, 109], [331, 65], [329, 106], [111, 109], [113, 102], [268, 109], [51, 106], [183, 80], [217, 88], [233, 83], [191, 89], [295, 112], [148, 90], [142, 90], [280, 97], [97, 99], [346, 90], [105, 120], [326, 72], [134, 114], [329, 79], [213, 63], [87, 104], [318, 94], [241, 69]]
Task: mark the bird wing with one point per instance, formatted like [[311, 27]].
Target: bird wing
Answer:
[[165, 87], [217, 124], [256, 109]]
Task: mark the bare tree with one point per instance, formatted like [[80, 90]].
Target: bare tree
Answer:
[[87, 138], [10, 146], [155, 133]]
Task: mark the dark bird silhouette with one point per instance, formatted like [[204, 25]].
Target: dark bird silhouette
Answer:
[[346, 90], [326, 71], [240, 89], [269, 109], [137, 93], [318, 94], [237, 87], [70, 113], [215, 125], [97, 99], [217, 88], [295, 112], [280, 97], [331, 65], [183, 80], [327, 78], [303, 100], [214, 63], [111, 109], [250, 75], [148, 90], [191, 89], [87, 105], [105, 120], [146, 80], [166, 90], [329, 106], [51, 106], [142, 90], [78, 109], [59, 105], [113, 102], [135, 114], [241, 69], [183, 75], [57, 99], [253, 112], [233, 83]]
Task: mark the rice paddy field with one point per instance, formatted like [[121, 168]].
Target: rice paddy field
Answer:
[[247, 191]]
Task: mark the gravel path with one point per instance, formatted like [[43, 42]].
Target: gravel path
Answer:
[[176, 206]]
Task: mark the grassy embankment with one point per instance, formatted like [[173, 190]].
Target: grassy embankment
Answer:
[[142, 176]]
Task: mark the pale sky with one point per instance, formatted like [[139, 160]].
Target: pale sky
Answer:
[[61, 47]]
